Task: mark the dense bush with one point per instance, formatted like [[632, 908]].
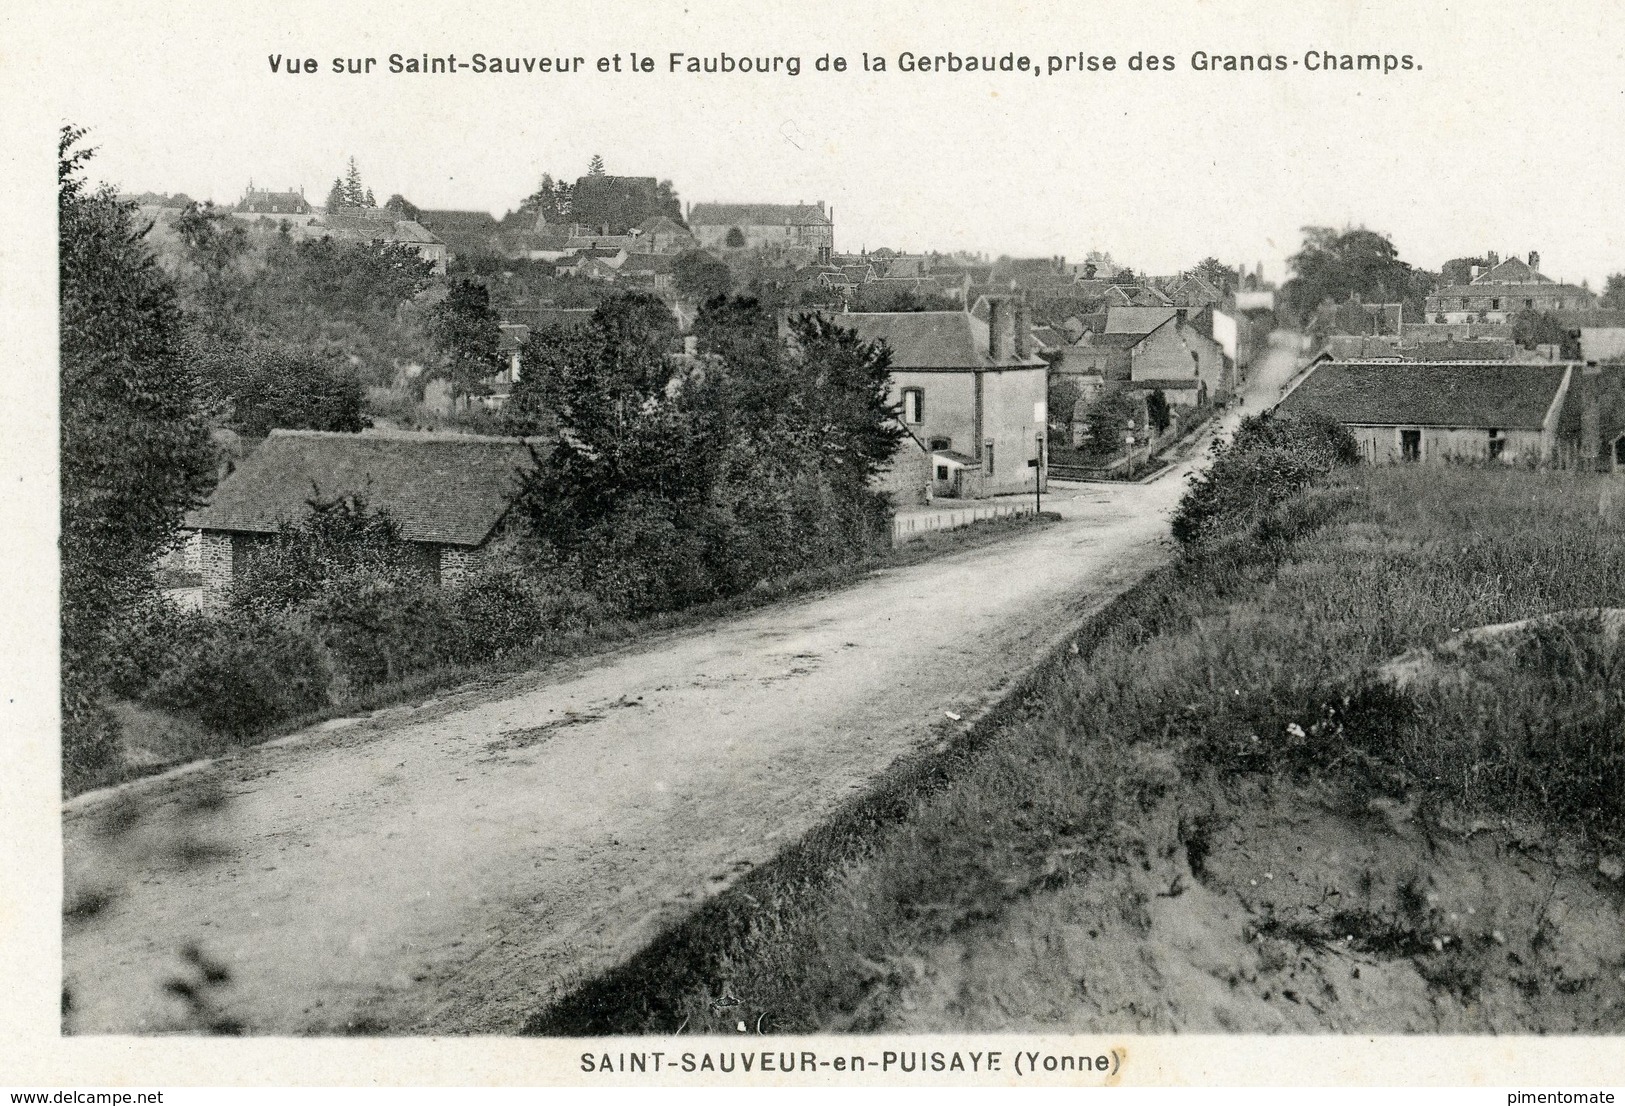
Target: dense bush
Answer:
[[1270, 457], [237, 676], [678, 480]]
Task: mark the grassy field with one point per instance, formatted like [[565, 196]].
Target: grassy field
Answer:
[[154, 740], [1225, 712]]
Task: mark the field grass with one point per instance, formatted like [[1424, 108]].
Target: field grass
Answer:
[[1250, 659], [155, 740]]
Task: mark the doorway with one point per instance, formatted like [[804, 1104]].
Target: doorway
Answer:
[[1410, 445]]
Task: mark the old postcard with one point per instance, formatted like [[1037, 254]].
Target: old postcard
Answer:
[[608, 544]]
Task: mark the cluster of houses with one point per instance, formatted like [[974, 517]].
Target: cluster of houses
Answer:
[[971, 381], [1457, 387]]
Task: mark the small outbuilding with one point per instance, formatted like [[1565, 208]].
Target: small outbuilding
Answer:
[[447, 493]]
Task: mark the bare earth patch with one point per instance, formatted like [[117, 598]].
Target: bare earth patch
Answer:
[[1299, 916]]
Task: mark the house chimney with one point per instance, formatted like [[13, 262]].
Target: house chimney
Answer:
[[1473, 274], [998, 328], [1023, 331], [1534, 259], [1590, 413], [1493, 258]]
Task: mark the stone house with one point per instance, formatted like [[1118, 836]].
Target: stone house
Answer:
[[1167, 353], [764, 226], [973, 393], [662, 234], [1443, 410], [465, 233], [379, 227], [448, 494], [1498, 293], [281, 206]]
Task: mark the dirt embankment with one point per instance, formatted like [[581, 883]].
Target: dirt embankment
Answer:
[[1278, 908]]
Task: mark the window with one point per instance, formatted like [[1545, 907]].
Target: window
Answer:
[[1410, 445], [941, 444], [1495, 304], [1498, 444], [942, 472], [987, 451], [1529, 303], [914, 405]]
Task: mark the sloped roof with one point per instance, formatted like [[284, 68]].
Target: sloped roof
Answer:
[[1136, 320], [289, 202], [467, 222], [757, 215], [366, 228], [1511, 271], [1117, 339], [931, 339], [1499, 395], [450, 489], [655, 223], [1477, 349]]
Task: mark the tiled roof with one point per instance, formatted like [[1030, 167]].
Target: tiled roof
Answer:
[[1477, 291], [1511, 271], [1136, 320], [1414, 393], [465, 222], [931, 339], [757, 215], [662, 224], [1118, 339], [281, 202], [450, 489]]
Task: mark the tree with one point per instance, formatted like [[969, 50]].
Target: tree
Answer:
[[369, 201], [595, 167], [699, 276], [335, 197], [263, 386], [1107, 420], [543, 201], [1459, 270], [468, 334], [1157, 411], [213, 242], [666, 199], [1061, 402], [735, 238], [402, 207], [135, 451], [355, 195], [1613, 293], [1217, 273], [1532, 328], [1336, 265]]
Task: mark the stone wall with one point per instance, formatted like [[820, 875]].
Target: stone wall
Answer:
[[215, 555]]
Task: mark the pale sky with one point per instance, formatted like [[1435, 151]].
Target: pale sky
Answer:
[[1505, 139]]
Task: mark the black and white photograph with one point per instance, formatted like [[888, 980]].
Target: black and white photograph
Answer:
[[840, 544]]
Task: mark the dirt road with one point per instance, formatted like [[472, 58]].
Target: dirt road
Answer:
[[450, 866]]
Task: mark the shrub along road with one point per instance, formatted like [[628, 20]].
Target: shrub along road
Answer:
[[451, 866]]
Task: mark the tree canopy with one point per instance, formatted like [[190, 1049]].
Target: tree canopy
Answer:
[[135, 452], [1335, 265], [467, 333], [699, 276]]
